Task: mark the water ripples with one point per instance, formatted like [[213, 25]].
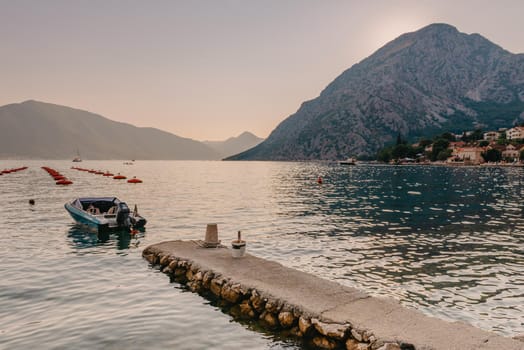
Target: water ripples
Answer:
[[446, 241]]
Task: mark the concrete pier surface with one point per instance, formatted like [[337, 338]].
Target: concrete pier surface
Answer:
[[372, 323]]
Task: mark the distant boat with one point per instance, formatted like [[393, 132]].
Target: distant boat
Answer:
[[77, 158], [349, 161], [104, 213]]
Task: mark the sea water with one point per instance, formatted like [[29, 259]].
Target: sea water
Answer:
[[448, 241]]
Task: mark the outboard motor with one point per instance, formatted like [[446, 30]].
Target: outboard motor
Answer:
[[122, 217]]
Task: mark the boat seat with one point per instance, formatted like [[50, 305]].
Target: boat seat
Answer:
[[93, 210]]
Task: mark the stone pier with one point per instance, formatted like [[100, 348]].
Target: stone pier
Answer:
[[324, 313]]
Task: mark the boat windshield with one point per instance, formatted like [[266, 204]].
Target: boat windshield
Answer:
[[76, 203]]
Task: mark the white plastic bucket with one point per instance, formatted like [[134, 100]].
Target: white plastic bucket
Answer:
[[238, 249]]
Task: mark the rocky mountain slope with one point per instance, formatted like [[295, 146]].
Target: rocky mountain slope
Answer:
[[234, 145], [40, 130], [432, 80]]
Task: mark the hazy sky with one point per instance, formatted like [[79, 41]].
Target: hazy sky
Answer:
[[211, 69]]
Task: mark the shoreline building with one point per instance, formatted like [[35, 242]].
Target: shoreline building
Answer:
[[515, 133]]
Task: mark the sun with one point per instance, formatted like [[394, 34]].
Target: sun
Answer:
[[389, 26]]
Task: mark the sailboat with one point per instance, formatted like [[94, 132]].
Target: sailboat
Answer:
[[77, 158]]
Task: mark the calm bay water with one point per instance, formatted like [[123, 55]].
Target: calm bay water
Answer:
[[446, 241]]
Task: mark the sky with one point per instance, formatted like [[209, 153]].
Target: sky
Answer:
[[212, 69]]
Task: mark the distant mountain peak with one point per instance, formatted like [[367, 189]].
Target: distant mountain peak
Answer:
[[431, 80], [235, 145], [246, 133], [26, 102], [36, 102], [439, 27]]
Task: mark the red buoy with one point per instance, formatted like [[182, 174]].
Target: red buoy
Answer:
[[64, 182], [134, 180], [319, 180], [119, 177]]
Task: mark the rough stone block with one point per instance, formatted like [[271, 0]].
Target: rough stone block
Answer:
[[179, 271], [230, 293], [304, 325], [195, 286], [390, 346], [295, 331], [246, 310], [286, 319], [352, 344], [198, 276], [151, 258], [273, 306], [216, 286], [324, 343], [206, 280], [164, 260], [269, 319], [357, 335], [331, 330], [257, 301], [173, 264]]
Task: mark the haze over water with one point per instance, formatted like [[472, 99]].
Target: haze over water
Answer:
[[446, 241]]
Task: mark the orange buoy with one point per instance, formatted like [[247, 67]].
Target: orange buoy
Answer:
[[134, 180], [319, 180]]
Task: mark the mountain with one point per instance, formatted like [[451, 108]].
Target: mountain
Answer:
[[425, 82], [40, 130], [234, 145]]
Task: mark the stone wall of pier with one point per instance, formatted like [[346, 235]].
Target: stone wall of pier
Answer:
[[278, 315]]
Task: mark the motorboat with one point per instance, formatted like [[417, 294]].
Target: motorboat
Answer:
[[348, 161], [104, 213]]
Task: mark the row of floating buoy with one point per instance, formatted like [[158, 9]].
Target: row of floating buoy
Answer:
[[59, 178], [92, 171], [13, 170], [134, 180]]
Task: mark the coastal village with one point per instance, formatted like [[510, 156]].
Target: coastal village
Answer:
[[503, 147]]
